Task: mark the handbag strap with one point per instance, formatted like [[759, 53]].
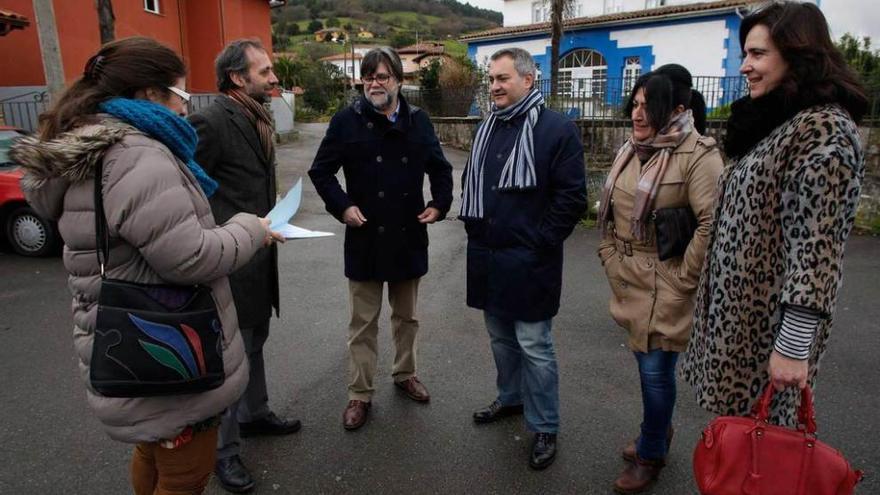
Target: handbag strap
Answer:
[[806, 412], [102, 236]]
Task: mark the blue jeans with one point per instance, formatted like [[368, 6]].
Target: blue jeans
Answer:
[[527, 371], [657, 374]]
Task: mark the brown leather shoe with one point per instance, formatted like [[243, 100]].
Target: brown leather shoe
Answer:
[[638, 476], [629, 452], [414, 389], [355, 414]]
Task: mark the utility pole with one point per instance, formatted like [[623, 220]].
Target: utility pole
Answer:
[[50, 50]]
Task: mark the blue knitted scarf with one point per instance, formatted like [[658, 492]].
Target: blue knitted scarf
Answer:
[[162, 124]]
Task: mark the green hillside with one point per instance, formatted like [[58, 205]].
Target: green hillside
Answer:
[[392, 22]]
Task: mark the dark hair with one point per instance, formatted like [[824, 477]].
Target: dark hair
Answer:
[[817, 72], [684, 94], [234, 60], [382, 55], [666, 88], [119, 69]]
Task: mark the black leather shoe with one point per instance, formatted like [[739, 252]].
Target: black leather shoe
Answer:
[[543, 450], [496, 411], [269, 425], [233, 476]]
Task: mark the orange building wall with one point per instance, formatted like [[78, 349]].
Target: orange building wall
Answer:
[[195, 29], [20, 50], [204, 39], [211, 25], [80, 36]]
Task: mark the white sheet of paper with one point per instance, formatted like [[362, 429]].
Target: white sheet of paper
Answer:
[[293, 232], [286, 208]]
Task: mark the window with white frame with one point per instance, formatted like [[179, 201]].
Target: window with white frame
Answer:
[[541, 11], [613, 6], [583, 73], [151, 6], [650, 4], [632, 69], [572, 10]]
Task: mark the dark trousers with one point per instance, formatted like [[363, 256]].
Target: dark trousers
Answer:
[[254, 402]]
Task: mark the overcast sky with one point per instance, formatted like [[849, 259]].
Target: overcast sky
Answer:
[[859, 17]]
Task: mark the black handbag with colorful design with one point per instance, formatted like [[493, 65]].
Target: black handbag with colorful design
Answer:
[[152, 340]]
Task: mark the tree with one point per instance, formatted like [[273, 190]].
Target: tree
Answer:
[[401, 38], [315, 26], [558, 8], [279, 35], [859, 55], [106, 20], [429, 76], [332, 22]]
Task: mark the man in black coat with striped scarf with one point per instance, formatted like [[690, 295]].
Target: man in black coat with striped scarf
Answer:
[[524, 190]]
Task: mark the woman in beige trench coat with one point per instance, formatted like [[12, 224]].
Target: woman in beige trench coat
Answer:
[[666, 164]]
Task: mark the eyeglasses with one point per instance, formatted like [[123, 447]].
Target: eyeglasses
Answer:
[[181, 93], [379, 78]]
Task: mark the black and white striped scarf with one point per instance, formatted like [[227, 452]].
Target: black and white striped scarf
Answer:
[[519, 169]]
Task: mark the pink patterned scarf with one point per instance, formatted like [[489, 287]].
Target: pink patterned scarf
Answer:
[[654, 153]]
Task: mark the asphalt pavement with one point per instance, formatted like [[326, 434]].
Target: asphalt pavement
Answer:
[[50, 443]]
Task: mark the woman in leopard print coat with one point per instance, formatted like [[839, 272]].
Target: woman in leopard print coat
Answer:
[[786, 203]]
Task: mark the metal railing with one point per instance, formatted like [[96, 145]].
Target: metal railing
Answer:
[[598, 98], [201, 100], [23, 111], [605, 97]]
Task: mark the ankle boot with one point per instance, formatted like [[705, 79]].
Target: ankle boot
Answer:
[[629, 452], [638, 476]]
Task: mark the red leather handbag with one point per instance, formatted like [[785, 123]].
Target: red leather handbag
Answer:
[[749, 456]]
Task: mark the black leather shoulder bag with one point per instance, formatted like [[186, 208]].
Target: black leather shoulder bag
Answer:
[[152, 340], [675, 228]]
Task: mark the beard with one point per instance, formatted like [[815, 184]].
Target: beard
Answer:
[[380, 102], [258, 93]]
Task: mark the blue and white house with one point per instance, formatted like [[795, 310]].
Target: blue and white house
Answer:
[[607, 44]]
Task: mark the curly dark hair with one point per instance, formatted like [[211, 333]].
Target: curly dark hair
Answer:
[[817, 72]]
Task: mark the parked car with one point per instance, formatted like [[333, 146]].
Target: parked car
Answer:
[[26, 232]]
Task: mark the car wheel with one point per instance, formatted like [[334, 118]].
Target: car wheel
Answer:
[[29, 234]]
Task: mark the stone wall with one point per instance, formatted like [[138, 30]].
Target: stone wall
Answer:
[[602, 138]]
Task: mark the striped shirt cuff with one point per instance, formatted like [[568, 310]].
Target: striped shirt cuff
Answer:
[[797, 332]]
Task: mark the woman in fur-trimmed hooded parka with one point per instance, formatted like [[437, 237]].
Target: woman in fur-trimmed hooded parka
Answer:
[[125, 114]]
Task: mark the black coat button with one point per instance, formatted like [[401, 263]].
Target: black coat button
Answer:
[[381, 194], [494, 188], [405, 160], [381, 229], [369, 125], [379, 159], [498, 156]]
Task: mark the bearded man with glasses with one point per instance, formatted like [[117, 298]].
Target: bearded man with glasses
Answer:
[[385, 147]]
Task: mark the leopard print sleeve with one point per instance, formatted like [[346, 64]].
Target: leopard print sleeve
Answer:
[[820, 191]]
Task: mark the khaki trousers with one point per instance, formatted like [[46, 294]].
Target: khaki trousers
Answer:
[[185, 470], [366, 303]]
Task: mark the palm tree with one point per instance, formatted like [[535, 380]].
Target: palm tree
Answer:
[[557, 10], [106, 20]]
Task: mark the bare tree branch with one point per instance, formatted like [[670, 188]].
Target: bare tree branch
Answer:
[[106, 20]]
